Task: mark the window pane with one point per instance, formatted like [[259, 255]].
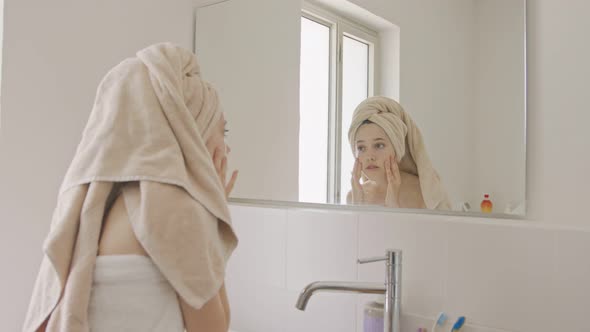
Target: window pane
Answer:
[[355, 77], [314, 108]]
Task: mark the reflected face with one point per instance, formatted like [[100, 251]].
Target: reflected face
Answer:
[[373, 148], [217, 138]]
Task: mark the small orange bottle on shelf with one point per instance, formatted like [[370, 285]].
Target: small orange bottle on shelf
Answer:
[[486, 204]]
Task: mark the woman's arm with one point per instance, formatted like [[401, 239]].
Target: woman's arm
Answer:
[[225, 302], [212, 317]]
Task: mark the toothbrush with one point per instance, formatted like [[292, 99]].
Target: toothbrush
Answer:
[[458, 324], [440, 321]]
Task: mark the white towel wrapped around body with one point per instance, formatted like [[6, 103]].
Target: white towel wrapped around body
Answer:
[[407, 142], [129, 293], [151, 118]]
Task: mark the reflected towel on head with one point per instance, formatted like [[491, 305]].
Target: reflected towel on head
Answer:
[[151, 118], [407, 142]]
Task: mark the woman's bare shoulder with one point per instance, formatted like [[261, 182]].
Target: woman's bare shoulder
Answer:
[[412, 192], [349, 197]]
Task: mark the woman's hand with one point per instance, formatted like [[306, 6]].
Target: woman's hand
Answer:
[[355, 181], [371, 192], [220, 162], [394, 181]]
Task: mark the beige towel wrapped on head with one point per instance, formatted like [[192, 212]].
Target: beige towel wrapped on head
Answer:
[[407, 142], [149, 124]]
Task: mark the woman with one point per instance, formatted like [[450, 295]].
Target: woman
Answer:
[[392, 167], [141, 233]]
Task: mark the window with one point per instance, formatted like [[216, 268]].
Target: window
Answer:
[[336, 74]]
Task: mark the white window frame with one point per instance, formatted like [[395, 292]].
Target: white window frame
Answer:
[[339, 28]]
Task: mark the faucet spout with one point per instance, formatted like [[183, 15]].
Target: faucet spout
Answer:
[[337, 286]]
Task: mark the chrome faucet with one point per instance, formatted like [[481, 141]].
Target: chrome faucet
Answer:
[[391, 288]]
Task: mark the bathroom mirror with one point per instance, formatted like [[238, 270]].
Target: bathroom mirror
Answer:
[[291, 75]]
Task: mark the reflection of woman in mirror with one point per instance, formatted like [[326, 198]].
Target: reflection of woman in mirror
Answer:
[[141, 234], [392, 167]]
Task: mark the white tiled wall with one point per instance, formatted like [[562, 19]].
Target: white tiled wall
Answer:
[[572, 280], [511, 276], [320, 246], [262, 256]]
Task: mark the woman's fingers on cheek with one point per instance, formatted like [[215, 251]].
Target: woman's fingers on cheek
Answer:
[[216, 158], [232, 182], [220, 158], [223, 170], [390, 176], [223, 164]]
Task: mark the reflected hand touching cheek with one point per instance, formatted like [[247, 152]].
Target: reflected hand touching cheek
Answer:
[[356, 195], [394, 182]]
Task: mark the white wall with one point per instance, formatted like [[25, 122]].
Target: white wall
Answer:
[[55, 54], [557, 135], [256, 69]]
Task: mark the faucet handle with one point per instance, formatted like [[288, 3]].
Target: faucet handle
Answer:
[[394, 256], [372, 259]]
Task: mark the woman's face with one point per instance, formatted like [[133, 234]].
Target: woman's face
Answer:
[[373, 148], [217, 139]]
